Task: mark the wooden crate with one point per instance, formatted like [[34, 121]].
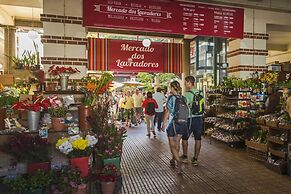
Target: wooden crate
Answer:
[[260, 121], [272, 123], [257, 154], [284, 126], [7, 79], [257, 146], [281, 169]]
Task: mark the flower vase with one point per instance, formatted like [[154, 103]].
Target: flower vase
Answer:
[[82, 164], [108, 187], [33, 120], [2, 118], [33, 167], [58, 124], [84, 113], [64, 80]]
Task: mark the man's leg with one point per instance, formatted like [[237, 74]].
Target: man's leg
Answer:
[[160, 119], [198, 130]]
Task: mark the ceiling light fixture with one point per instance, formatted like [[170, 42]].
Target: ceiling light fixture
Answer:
[[146, 42]]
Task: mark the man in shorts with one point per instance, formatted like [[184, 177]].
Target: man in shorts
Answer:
[[137, 102], [195, 124]]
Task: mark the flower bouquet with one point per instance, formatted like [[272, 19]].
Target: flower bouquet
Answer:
[[78, 150], [63, 73]]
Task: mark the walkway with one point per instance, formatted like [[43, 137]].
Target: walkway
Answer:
[[221, 169]]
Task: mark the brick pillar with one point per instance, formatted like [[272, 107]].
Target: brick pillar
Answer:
[[249, 54]]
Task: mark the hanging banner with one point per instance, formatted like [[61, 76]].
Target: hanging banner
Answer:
[[165, 16], [132, 56]]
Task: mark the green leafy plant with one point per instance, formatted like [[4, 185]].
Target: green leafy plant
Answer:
[[38, 180], [6, 101], [58, 112]]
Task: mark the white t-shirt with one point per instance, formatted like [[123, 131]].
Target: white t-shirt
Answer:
[[137, 100], [160, 99]]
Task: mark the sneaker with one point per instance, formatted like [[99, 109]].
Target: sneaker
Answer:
[[172, 163], [194, 162], [149, 135], [179, 170], [154, 133], [184, 159]]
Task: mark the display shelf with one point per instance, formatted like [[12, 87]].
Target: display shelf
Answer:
[[284, 126], [275, 140], [234, 144], [257, 146], [231, 131], [278, 153], [37, 132], [238, 99]]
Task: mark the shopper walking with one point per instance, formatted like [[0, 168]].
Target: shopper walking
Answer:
[[121, 107], [176, 114], [149, 106], [195, 101], [137, 102], [128, 108], [160, 99]]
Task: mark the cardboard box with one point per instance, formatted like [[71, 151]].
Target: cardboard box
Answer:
[[7, 79]]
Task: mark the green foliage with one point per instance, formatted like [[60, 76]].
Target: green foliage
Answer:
[[33, 182], [146, 79], [6, 101], [58, 112], [166, 78]]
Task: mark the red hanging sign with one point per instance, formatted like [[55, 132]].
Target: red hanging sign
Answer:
[[132, 56], [165, 16]]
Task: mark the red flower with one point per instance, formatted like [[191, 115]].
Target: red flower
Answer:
[[56, 70]]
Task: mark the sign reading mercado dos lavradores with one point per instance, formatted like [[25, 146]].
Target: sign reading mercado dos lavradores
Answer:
[[164, 16], [131, 56]]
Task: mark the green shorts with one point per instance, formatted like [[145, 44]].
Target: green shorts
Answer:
[[127, 113]]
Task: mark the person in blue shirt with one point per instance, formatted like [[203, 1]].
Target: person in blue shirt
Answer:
[[174, 130]]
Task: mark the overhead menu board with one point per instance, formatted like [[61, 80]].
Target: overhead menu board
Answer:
[[173, 17]]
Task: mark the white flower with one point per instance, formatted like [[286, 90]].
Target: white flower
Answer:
[[91, 140], [66, 147], [74, 138]]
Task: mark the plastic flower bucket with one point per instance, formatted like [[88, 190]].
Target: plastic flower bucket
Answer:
[[81, 164]]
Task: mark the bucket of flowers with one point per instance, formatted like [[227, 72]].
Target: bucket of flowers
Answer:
[[63, 73], [33, 107], [78, 150]]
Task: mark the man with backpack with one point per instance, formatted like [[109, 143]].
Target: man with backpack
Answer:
[[149, 105], [195, 102]]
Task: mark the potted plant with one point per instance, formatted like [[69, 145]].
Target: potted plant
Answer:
[[57, 117], [31, 149], [78, 150], [76, 183], [29, 184], [63, 73], [6, 100], [33, 107], [108, 177]]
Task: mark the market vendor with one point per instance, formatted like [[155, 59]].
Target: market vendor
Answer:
[[273, 101]]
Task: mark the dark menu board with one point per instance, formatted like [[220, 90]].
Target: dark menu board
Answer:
[[173, 17]]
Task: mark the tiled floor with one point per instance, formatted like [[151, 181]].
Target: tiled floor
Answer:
[[221, 170]]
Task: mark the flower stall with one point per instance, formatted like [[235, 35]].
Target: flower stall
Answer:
[[64, 140]]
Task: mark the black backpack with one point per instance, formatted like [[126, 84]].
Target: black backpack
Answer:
[[181, 111], [150, 108], [197, 107]]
